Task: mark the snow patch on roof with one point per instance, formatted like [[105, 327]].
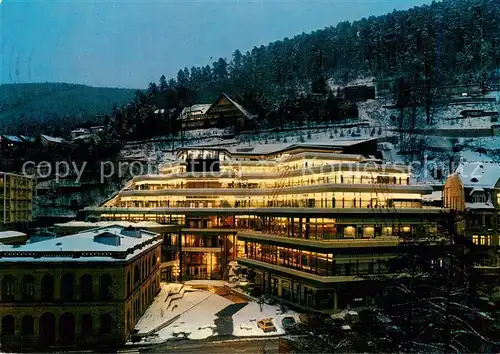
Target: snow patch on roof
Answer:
[[12, 138], [479, 174], [53, 139], [79, 243], [9, 234], [433, 197]]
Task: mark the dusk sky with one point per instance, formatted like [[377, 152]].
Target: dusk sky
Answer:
[[130, 43]]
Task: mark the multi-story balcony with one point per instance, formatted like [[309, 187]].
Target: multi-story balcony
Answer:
[[318, 264], [248, 180]]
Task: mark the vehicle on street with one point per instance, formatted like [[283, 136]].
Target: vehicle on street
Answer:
[[266, 325], [289, 324]]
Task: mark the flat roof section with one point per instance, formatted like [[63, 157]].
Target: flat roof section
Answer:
[[79, 226], [105, 244]]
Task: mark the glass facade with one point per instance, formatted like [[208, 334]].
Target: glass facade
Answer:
[[324, 264]]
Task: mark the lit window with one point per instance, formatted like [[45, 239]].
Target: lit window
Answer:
[[475, 239], [349, 232]]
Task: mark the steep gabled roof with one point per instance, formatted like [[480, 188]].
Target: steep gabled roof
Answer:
[[12, 138], [53, 139], [247, 114], [27, 138]]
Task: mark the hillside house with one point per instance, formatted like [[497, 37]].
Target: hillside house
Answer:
[[50, 141], [97, 129], [194, 117], [474, 192], [223, 112], [75, 133]]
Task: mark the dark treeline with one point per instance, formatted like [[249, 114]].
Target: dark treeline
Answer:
[[55, 108], [448, 42]]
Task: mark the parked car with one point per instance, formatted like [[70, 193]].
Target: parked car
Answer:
[[289, 324], [266, 325]]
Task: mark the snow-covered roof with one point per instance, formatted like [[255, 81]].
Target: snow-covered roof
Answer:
[[240, 107], [476, 189], [80, 130], [10, 234], [197, 109], [433, 197], [163, 110], [12, 138], [27, 138], [53, 139], [479, 205], [100, 244], [84, 136], [247, 114], [479, 174], [277, 147], [98, 224]]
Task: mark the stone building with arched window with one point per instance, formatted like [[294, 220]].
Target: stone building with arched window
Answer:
[[77, 290]]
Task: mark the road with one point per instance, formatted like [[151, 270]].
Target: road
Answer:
[[236, 346]]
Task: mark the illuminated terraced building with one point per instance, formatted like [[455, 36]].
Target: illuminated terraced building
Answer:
[[309, 219]]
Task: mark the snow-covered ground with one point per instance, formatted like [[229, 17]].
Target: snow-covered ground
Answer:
[[245, 320], [160, 311], [193, 316], [197, 322]]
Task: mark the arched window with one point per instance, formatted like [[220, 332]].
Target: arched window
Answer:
[[87, 325], [28, 325], [28, 288], [47, 329], [105, 324], [67, 328], [86, 287], [47, 287], [8, 325], [67, 287], [105, 286], [8, 287]]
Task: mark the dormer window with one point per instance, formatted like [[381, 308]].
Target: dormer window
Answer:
[[479, 197]]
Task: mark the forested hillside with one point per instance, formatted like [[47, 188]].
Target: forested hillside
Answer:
[[448, 42], [409, 53], [49, 107]]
